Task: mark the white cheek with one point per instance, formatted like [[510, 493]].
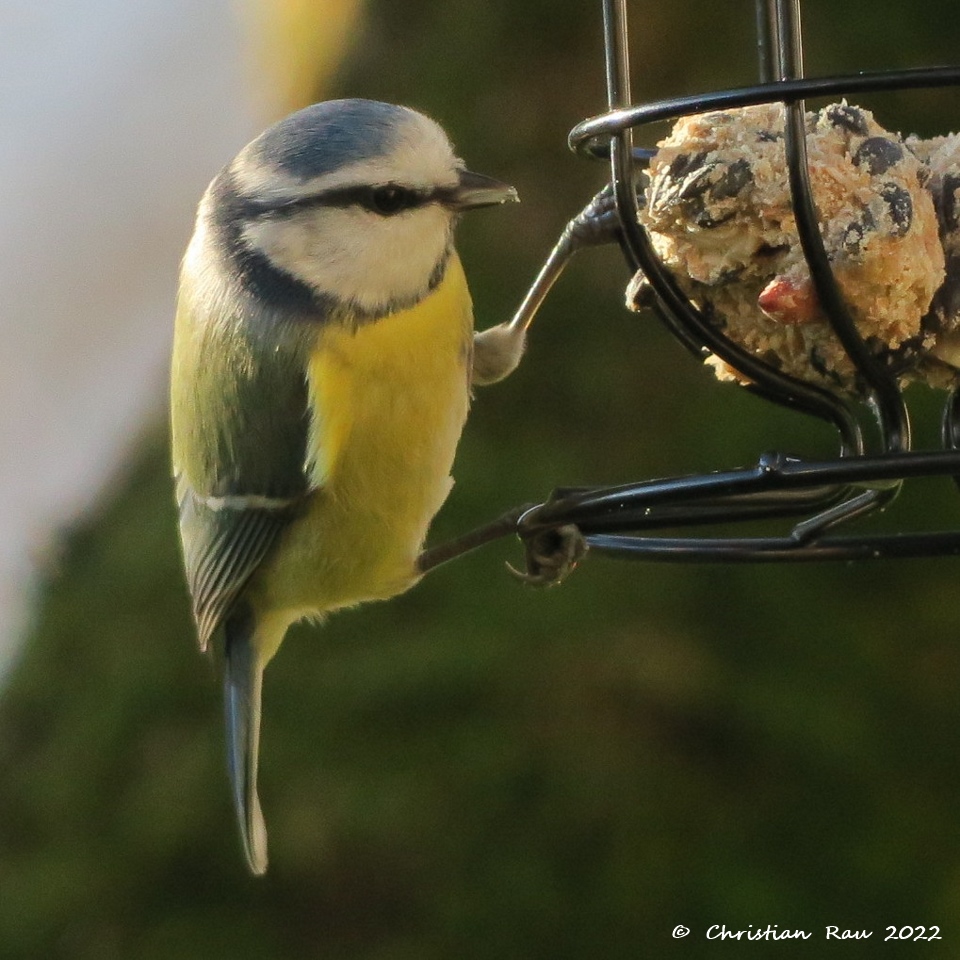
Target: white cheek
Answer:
[[356, 255]]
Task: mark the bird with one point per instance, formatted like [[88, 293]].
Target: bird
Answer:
[[323, 361]]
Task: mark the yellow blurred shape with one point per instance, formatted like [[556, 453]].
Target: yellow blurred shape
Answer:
[[297, 45]]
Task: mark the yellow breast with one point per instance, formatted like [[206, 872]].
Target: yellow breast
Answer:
[[388, 401]]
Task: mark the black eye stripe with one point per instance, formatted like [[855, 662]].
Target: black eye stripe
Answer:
[[384, 199]]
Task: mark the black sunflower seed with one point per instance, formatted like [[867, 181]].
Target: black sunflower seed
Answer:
[[847, 118], [878, 154], [900, 206]]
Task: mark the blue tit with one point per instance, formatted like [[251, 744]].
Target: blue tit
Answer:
[[322, 366]]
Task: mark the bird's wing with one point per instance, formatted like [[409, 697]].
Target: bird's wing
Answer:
[[222, 547], [240, 424]]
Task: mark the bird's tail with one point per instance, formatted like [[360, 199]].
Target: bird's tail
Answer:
[[242, 684]]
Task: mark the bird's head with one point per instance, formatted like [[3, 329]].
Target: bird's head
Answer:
[[347, 202]]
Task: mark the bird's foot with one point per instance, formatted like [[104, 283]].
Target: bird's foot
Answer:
[[596, 225], [551, 556]]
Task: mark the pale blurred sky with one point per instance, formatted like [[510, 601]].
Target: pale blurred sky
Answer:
[[115, 115]]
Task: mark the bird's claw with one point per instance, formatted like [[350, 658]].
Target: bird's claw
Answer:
[[551, 556], [597, 224]]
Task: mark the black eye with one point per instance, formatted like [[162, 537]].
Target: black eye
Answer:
[[390, 199]]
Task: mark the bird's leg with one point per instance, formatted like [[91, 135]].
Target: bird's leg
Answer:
[[501, 527], [497, 350], [552, 553]]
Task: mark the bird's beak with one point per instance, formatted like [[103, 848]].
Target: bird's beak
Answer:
[[477, 190]]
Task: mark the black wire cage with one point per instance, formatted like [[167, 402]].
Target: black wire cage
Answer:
[[818, 497]]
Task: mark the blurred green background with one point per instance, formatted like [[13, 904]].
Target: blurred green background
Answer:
[[480, 770]]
